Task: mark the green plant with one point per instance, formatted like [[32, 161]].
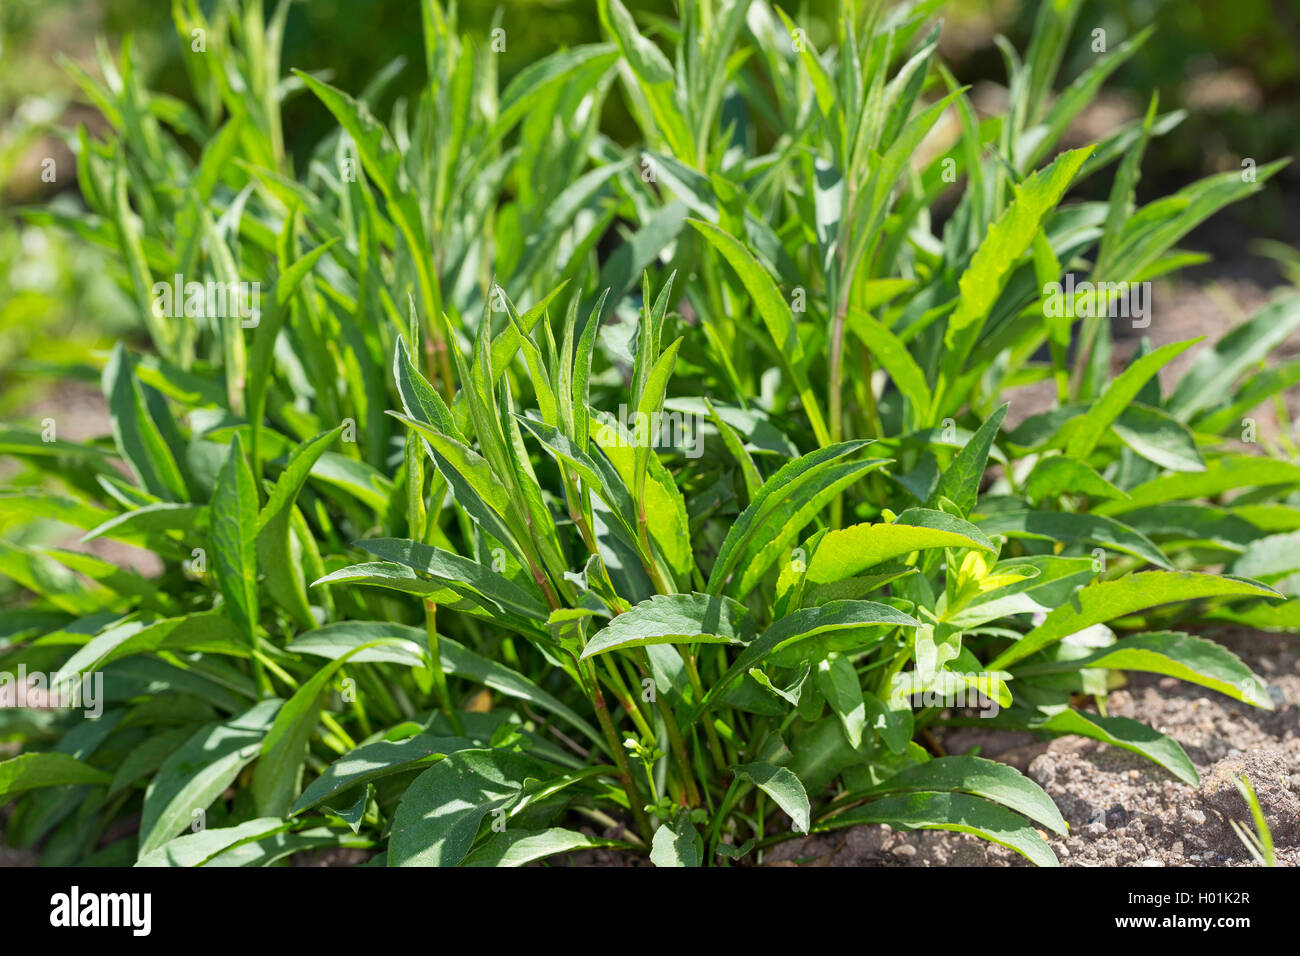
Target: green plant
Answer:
[[536, 614], [1260, 843]]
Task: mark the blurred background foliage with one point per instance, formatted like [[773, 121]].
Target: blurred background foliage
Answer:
[[1233, 64]]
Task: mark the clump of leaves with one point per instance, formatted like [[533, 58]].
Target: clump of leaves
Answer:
[[423, 592]]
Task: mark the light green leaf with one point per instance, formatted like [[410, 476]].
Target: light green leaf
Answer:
[[1158, 438], [1107, 600], [1188, 658], [285, 580], [1119, 394], [195, 849], [677, 843], [672, 619], [1059, 475], [1069, 526], [521, 847], [36, 770], [783, 787]]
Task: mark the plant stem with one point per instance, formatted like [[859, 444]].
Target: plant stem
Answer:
[[635, 802], [624, 697], [715, 831], [435, 665], [675, 741], [710, 732], [836, 410]]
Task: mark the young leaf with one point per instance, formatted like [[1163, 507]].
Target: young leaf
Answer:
[[960, 484]]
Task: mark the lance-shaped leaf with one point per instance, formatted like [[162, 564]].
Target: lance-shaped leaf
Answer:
[[893, 356], [843, 553], [960, 484], [522, 95], [138, 440], [1107, 600], [776, 315], [420, 399], [1118, 395], [233, 536], [36, 770], [672, 619], [474, 483], [1223, 474], [1003, 246], [521, 847], [459, 573], [1119, 732], [284, 577], [382, 161], [982, 778], [270, 323], [1158, 438], [195, 849], [406, 645], [1176, 654], [1215, 369], [665, 509], [207, 631], [375, 760], [838, 681], [1068, 527], [647, 415], [959, 812], [769, 512], [439, 815], [191, 778], [149, 519], [1060, 475], [278, 776]]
